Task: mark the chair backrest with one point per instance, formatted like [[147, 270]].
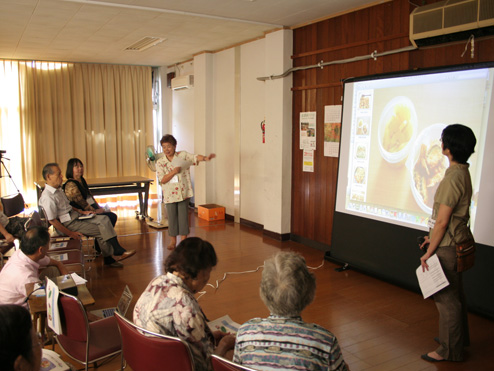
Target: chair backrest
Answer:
[[34, 220], [222, 364], [148, 351], [13, 204], [76, 324]]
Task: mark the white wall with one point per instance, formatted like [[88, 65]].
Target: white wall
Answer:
[[222, 114], [224, 122], [278, 151], [183, 123], [251, 147]]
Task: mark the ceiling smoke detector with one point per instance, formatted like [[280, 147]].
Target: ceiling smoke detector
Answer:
[[145, 43]]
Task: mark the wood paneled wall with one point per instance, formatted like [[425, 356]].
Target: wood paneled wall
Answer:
[[383, 27]]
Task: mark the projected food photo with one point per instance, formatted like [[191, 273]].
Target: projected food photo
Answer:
[[362, 126], [361, 152], [359, 174], [427, 166], [397, 129]]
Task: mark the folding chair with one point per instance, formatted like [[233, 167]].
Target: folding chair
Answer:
[[86, 246], [222, 364], [84, 341], [74, 258], [13, 204], [144, 350]]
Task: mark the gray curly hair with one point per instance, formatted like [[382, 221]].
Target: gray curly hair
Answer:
[[287, 286]]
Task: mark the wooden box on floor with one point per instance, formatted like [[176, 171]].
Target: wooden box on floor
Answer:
[[211, 212]]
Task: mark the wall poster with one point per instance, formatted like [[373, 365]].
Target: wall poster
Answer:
[[308, 161], [308, 130], [332, 130]]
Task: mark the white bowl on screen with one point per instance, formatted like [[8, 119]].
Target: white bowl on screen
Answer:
[[390, 128]]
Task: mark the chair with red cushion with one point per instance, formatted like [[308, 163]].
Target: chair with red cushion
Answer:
[[222, 364], [84, 341], [144, 350]]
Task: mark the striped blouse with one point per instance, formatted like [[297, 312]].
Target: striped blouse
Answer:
[[279, 343]]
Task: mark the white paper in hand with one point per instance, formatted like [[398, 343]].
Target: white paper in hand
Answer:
[[432, 280], [181, 163]]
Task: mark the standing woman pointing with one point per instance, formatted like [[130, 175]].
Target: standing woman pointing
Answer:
[[176, 185]]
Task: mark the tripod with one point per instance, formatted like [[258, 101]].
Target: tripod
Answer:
[[6, 170]]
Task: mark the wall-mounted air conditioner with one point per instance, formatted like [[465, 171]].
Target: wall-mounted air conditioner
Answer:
[[451, 20], [183, 82]]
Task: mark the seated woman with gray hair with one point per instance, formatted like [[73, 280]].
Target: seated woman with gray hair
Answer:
[[283, 341]]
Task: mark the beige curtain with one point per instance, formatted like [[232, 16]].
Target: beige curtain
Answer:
[[101, 114]]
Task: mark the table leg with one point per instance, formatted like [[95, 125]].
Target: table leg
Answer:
[[146, 199], [141, 205], [35, 322]]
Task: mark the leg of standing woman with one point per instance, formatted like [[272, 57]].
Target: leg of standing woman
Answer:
[[171, 210], [451, 309], [183, 218]]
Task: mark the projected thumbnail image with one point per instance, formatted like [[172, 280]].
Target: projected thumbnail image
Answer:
[[362, 126], [365, 101], [361, 151]]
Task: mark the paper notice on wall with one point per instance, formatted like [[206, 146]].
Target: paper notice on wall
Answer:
[[308, 130], [308, 161], [332, 130]]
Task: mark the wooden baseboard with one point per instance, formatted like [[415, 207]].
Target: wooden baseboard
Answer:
[[253, 225]]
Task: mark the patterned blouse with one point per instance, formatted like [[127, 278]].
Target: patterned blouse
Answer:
[[167, 306], [75, 196], [179, 188], [280, 343]]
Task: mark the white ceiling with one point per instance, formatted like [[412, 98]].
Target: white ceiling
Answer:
[[99, 31]]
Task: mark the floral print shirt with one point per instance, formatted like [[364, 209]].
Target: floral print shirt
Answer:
[[179, 188], [167, 306]]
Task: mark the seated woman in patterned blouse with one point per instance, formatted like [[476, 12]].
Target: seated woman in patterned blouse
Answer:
[[283, 341], [168, 306], [78, 193]]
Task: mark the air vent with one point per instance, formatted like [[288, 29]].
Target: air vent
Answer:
[[145, 43], [451, 20], [183, 82]]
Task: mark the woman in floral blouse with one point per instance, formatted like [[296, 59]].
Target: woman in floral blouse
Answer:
[[174, 176], [168, 305]]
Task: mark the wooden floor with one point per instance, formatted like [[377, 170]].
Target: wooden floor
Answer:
[[378, 325]]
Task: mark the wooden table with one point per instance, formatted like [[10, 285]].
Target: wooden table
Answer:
[[37, 304], [117, 185], [124, 184]]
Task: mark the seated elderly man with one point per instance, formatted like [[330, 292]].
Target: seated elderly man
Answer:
[[65, 218], [283, 341], [24, 266]]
